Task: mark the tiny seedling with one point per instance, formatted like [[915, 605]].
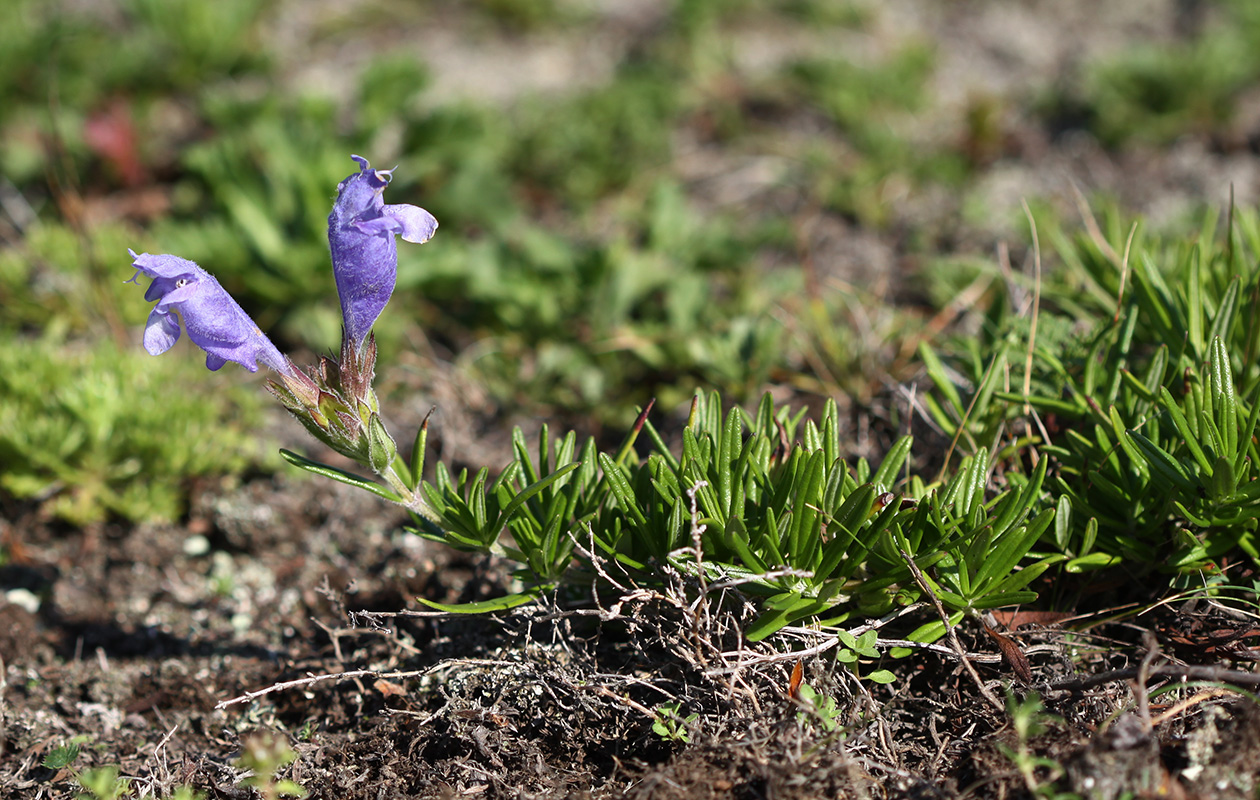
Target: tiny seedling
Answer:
[[103, 783], [818, 708], [266, 753], [1029, 720], [854, 648], [62, 756], [670, 725]]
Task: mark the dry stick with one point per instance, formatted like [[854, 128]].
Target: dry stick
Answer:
[[1190, 702], [1138, 685], [312, 679], [1036, 306], [1198, 673], [1029, 411], [700, 614], [920, 579]]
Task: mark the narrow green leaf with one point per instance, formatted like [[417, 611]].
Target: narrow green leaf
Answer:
[[782, 610], [1223, 325], [936, 371], [620, 488], [1026, 498], [417, 452], [349, 478], [1054, 405], [1005, 599], [1224, 401], [1183, 427], [1091, 562], [1221, 485], [529, 491], [1018, 580], [487, 606], [1162, 463], [889, 469], [1194, 303], [735, 536], [805, 528], [1010, 549], [1063, 522]]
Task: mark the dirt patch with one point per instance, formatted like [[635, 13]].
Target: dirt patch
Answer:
[[138, 636]]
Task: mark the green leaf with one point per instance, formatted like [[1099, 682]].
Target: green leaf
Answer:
[[1011, 549], [381, 447], [531, 490], [416, 466], [1224, 401], [61, 756], [619, 485], [336, 474], [1091, 562], [735, 537], [886, 476], [1221, 484], [487, 606], [936, 371], [1183, 427], [782, 610]]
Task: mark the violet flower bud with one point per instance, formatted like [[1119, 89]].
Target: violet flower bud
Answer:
[[215, 322], [361, 230]]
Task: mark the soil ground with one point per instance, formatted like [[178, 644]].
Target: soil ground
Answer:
[[135, 637]]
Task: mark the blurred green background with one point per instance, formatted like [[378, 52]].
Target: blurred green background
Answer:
[[637, 199]]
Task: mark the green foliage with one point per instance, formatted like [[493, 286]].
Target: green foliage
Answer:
[[597, 142], [81, 61], [62, 756], [671, 725], [771, 504], [68, 281], [819, 709], [854, 648], [1159, 91], [870, 157], [103, 783], [1150, 413], [266, 753], [92, 430]]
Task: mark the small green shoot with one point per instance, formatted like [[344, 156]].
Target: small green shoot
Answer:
[[1029, 720], [819, 709], [854, 648], [103, 783], [62, 756], [670, 725], [266, 753]]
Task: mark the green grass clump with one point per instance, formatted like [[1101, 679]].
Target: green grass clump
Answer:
[[1155, 93], [1144, 385], [91, 430], [1127, 442]]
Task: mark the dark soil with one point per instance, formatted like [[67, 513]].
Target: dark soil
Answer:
[[137, 645], [136, 638]]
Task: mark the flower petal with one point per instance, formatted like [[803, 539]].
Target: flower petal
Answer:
[[214, 321], [161, 332], [361, 230], [416, 225]]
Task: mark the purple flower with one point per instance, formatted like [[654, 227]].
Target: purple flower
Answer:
[[215, 322], [361, 230]]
